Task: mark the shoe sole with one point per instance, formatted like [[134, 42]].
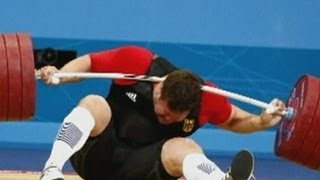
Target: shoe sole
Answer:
[[242, 165], [56, 177]]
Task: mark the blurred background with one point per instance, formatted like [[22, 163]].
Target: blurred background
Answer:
[[255, 48]]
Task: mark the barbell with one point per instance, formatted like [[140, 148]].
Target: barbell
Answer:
[[297, 137], [17, 95]]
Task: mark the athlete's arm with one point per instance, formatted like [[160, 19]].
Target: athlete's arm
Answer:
[[126, 59], [80, 64], [241, 121]]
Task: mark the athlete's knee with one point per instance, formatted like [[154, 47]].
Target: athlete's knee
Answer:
[[100, 111], [174, 151], [181, 146]]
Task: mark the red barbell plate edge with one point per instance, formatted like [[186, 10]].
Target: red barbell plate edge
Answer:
[[313, 160], [4, 99], [15, 78], [313, 135], [291, 133], [28, 76], [283, 145]]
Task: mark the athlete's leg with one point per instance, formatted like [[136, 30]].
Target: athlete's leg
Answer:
[[90, 117], [144, 163], [169, 160], [184, 157], [95, 159], [178, 157]]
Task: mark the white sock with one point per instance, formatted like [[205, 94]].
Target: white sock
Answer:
[[199, 167], [73, 133]]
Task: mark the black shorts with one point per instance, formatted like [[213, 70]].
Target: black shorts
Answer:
[[107, 157]]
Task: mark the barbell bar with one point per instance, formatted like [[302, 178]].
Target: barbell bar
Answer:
[[56, 79]]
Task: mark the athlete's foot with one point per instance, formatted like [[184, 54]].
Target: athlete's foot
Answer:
[[242, 167], [51, 173]]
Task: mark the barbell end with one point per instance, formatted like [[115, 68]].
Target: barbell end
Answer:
[[290, 113], [55, 80]]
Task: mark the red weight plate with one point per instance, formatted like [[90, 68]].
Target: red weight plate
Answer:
[[313, 160], [291, 133], [4, 99], [311, 139], [15, 78], [28, 76]]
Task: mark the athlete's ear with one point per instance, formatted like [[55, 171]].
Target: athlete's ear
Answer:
[[157, 90], [160, 86]]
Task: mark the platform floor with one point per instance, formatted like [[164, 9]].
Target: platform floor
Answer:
[[28, 161]]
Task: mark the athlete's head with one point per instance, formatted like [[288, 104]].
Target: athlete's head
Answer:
[[179, 93]]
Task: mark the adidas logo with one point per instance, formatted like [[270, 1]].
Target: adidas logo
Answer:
[[132, 96], [206, 168]]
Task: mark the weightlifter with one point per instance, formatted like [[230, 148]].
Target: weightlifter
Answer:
[[140, 129]]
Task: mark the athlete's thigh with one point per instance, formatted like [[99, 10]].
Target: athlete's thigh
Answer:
[[144, 163], [94, 159]]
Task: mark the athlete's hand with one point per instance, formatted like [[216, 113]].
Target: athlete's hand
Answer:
[[271, 117], [46, 73]]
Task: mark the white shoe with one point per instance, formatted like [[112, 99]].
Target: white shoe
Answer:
[[51, 173], [242, 167]]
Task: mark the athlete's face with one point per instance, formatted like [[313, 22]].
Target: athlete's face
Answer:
[[164, 114]]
